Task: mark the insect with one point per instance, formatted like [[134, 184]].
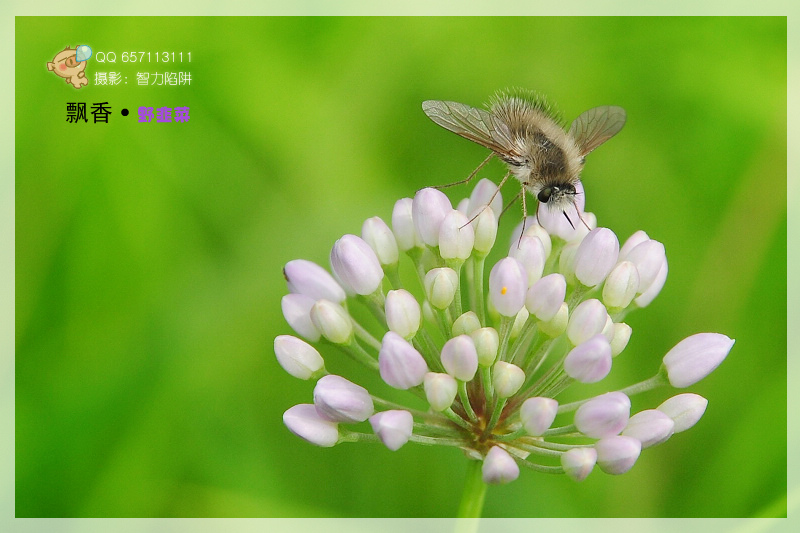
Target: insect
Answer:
[[524, 133]]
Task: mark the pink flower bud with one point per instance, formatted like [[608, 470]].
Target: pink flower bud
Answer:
[[459, 357], [650, 427], [603, 416], [440, 390], [402, 313], [507, 379], [456, 237], [380, 238], [304, 421], [429, 209], [587, 320], [695, 357], [530, 252], [537, 414], [392, 427], [310, 279], [499, 467], [684, 409], [400, 364], [544, 298], [340, 400], [403, 225], [297, 357], [508, 286], [356, 265], [579, 462], [616, 455], [589, 362], [596, 256], [296, 309]]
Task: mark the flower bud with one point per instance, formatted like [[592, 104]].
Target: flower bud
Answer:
[[544, 298], [616, 455], [508, 286], [332, 322], [537, 414], [484, 193], [695, 357], [403, 225], [519, 322], [499, 467], [684, 409], [466, 324], [485, 226], [356, 265], [380, 238], [579, 462], [633, 241], [297, 357], [622, 334], [400, 364], [535, 230], [650, 427], [441, 285], [507, 379], [456, 237], [304, 421], [596, 256], [310, 279], [589, 362], [530, 252], [487, 343], [403, 313], [603, 416], [644, 299], [648, 256], [296, 309], [392, 427], [621, 285], [555, 223], [440, 390], [556, 325], [459, 357], [566, 261], [340, 400], [429, 209], [587, 320]]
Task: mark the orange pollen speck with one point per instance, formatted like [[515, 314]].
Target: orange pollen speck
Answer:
[[504, 290]]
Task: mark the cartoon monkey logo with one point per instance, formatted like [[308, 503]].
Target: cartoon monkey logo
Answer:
[[67, 66]]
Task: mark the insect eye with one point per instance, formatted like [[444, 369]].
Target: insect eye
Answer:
[[545, 194]]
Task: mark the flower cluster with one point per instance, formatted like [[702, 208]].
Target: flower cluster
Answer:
[[489, 369]]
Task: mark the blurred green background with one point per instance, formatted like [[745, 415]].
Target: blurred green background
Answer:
[[148, 256]]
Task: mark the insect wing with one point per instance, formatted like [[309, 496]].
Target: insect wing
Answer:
[[595, 126], [474, 124]]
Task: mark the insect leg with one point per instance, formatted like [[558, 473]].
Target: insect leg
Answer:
[[579, 215], [469, 178], [502, 182]]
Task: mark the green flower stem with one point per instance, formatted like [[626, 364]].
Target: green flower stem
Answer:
[[651, 383], [504, 333], [358, 353], [392, 273], [472, 497], [456, 307], [478, 261], [498, 408], [365, 335], [462, 394], [449, 413]]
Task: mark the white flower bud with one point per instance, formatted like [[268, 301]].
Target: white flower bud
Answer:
[[499, 467], [400, 364], [482, 194], [684, 409], [603, 416], [310, 279], [519, 322], [356, 265], [507, 379], [440, 390], [466, 324], [621, 285], [508, 286], [648, 256], [403, 313], [537, 414], [652, 291], [535, 230], [579, 462], [456, 237], [695, 357], [485, 226], [392, 427], [556, 325], [403, 225], [530, 252], [380, 238], [429, 209], [587, 320], [596, 256], [441, 285], [544, 298], [487, 343], [297, 357], [590, 361], [650, 427], [566, 261], [332, 321], [616, 455], [304, 421], [296, 309], [459, 357], [340, 400], [555, 223], [622, 334], [632, 242]]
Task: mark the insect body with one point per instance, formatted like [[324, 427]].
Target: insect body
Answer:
[[521, 130]]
